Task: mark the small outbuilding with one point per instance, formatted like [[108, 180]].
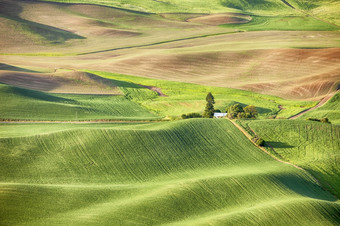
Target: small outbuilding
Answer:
[[219, 115]]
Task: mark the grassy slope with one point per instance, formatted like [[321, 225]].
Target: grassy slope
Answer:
[[18, 103], [185, 97], [324, 9], [330, 110], [285, 23], [191, 6], [186, 172], [311, 145]]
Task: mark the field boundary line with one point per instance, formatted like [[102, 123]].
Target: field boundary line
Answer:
[[76, 122], [322, 102], [280, 160], [159, 43]]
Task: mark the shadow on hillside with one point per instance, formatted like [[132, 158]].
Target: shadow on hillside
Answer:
[[275, 144], [113, 82], [304, 187], [29, 81], [37, 95], [7, 67], [11, 10]]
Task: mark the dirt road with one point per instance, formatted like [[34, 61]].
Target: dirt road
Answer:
[[321, 103]]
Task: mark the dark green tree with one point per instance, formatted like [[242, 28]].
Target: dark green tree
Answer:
[[209, 107], [250, 111], [235, 111]]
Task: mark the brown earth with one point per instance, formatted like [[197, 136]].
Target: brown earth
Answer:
[[225, 18], [155, 89], [155, 47], [60, 82], [289, 73]]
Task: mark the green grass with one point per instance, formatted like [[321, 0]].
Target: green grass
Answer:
[[325, 9], [330, 110], [18, 129], [186, 172], [185, 97], [312, 145], [283, 23], [191, 6], [17, 103]]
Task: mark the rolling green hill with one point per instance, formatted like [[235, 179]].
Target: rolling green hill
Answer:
[[17, 103], [325, 9], [143, 99], [186, 172], [330, 110], [180, 98], [312, 145], [131, 63]]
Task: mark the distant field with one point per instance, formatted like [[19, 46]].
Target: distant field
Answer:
[[312, 145], [58, 81], [330, 110], [193, 6], [285, 23], [18, 103], [325, 9], [282, 52], [184, 98], [186, 172]]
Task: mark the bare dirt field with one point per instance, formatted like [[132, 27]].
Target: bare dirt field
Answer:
[[178, 47], [60, 82]]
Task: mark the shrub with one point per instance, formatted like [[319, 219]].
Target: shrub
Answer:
[[217, 110], [191, 115], [258, 141], [325, 120]]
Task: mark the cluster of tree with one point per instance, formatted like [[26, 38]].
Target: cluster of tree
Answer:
[[258, 141], [237, 111], [323, 120], [234, 111], [191, 115]]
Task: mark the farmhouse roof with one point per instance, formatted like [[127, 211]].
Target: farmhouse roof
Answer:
[[220, 114]]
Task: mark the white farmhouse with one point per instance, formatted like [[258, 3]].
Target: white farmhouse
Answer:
[[219, 115]]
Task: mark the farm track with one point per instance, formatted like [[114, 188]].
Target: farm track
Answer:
[[301, 11], [320, 104], [277, 159]]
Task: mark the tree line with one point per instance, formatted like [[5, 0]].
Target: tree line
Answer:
[[233, 111]]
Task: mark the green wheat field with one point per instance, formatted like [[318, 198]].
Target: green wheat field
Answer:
[[106, 118]]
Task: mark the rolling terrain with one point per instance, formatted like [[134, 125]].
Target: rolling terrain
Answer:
[[186, 172], [286, 53], [24, 104], [330, 110], [91, 98], [311, 145]]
